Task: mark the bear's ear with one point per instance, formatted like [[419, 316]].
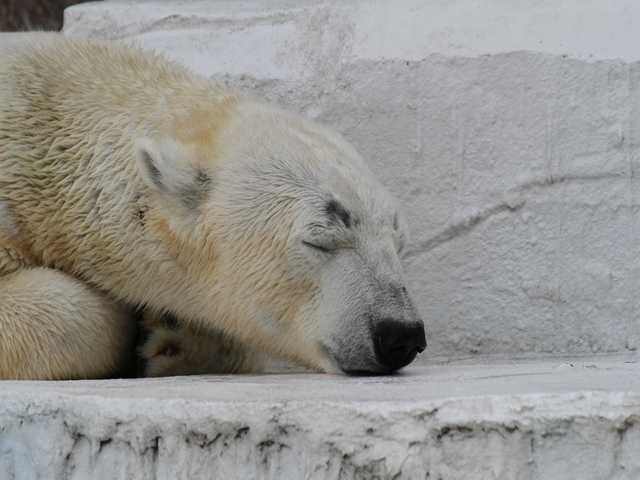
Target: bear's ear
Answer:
[[167, 167]]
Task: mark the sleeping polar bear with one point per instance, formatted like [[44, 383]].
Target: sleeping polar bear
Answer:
[[126, 181]]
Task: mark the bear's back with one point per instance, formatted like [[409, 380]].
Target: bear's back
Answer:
[[70, 113]]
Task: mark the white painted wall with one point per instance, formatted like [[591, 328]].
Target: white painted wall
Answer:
[[510, 131]]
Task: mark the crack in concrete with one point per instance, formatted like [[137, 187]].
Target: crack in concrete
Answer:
[[462, 227], [513, 200], [551, 180], [174, 22]]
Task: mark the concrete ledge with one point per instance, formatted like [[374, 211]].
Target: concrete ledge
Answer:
[[410, 29], [563, 419]]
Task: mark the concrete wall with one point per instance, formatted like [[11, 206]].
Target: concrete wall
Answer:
[[509, 130]]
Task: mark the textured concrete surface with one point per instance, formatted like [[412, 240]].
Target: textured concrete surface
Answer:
[[549, 420], [510, 131]]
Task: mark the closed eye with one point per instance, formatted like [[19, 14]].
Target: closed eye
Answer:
[[317, 247]]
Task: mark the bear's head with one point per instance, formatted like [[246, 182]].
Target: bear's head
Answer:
[[288, 240]]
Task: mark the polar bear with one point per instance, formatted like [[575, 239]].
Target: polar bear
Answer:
[[127, 181]]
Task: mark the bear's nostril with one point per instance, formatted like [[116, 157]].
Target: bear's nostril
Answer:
[[397, 343]]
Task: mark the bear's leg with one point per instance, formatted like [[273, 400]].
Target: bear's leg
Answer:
[[173, 348], [53, 326]]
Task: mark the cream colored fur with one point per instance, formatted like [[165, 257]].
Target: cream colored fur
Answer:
[[123, 173], [53, 326]]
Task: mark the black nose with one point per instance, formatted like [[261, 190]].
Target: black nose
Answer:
[[397, 343]]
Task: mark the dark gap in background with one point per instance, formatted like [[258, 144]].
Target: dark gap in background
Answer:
[[25, 15]]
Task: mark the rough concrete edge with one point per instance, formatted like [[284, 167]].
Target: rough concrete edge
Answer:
[[521, 408]]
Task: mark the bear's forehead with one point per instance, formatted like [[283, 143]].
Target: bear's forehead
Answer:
[[346, 186], [361, 210], [295, 151]]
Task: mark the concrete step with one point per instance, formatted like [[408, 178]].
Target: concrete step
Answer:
[[509, 131], [535, 420]]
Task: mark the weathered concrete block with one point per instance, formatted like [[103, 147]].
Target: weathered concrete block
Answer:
[[509, 131], [533, 421]]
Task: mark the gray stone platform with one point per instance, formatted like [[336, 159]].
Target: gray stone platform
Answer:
[[533, 420]]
